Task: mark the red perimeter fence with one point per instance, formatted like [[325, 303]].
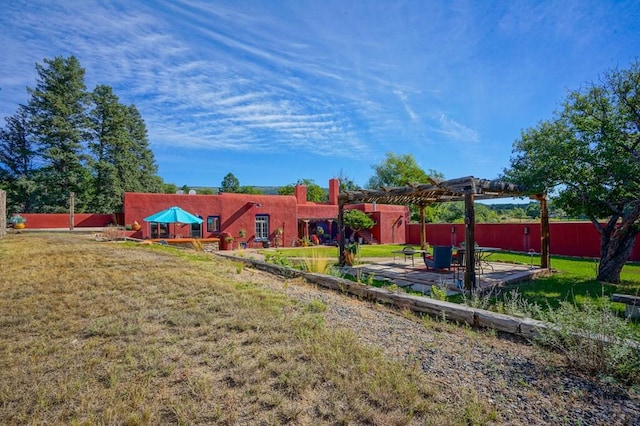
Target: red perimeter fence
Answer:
[[61, 220], [579, 239]]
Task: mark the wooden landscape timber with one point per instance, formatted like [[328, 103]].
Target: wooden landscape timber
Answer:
[[524, 327]]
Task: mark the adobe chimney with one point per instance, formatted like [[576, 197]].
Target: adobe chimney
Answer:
[[300, 191], [334, 190]]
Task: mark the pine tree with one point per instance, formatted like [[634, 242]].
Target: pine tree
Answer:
[[58, 106], [146, 177], [109, 133], [122, 161], [17, 157], [230, 183]]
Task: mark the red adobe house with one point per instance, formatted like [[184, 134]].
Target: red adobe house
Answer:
[[279, 219]]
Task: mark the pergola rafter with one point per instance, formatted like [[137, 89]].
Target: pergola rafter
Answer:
[[467, 189]]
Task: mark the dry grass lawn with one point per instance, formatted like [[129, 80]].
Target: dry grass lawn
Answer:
[[114, 333]]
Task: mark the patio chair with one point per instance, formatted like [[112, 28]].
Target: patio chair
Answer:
[[441, 258]]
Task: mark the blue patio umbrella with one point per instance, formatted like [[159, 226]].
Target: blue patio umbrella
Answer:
[[173, 215]]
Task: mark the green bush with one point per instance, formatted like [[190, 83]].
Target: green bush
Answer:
[[593, 338], [278, 258], [439, 292]]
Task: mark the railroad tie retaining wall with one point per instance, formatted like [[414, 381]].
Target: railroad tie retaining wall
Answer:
[[524, 327]]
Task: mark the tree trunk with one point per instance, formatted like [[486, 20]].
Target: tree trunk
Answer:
[[616, 247]]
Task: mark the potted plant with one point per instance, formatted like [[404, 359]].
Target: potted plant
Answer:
[[277, 241], [229, 242], [242, 233], [350, 253], [226, 241], [18, 222]]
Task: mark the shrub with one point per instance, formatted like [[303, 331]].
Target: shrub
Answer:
[[111, 233], [278, 258], [594, 339], [439, 291], [317, 263], [513, 303], [316, 306]]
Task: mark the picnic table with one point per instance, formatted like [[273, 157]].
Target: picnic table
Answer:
[[408, 253]]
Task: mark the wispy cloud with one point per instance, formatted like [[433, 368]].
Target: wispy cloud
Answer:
[[455, 131]]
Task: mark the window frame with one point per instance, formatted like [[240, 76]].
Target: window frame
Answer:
[[163, 232], [209, 228], [262, 227]]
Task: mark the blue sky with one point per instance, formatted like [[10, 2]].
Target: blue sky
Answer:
[[275, 91]]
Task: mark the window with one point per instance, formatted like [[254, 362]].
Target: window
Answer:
[[262, 227], [196, 230], [213, 223], [159, 230]]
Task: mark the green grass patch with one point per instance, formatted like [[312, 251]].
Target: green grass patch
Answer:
[[365, 250], [573, 281]]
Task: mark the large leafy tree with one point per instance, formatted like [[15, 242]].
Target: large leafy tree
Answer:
[[399, 170], [588, 155], [346, 183], [250, 190], [58, 112], [315, 192], [17, 161]]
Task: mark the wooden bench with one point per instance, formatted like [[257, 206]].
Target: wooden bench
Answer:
[[632, 302]]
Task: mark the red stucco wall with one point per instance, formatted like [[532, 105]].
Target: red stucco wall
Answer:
[[61, 220], [236, 211], [390, 222], [566, 238]]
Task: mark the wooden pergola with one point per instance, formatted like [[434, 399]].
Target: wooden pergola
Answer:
[[467, 189]]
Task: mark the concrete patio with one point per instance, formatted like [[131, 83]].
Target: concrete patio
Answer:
[[404, 274]]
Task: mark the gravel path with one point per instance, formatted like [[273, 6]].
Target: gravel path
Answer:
[[527, 386]]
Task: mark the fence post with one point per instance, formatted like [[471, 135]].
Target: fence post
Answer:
[[3, 213], [71, 211]]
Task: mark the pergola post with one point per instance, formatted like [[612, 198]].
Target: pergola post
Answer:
[[469, 241], [423, 229], [545, 255], [341, 246]]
